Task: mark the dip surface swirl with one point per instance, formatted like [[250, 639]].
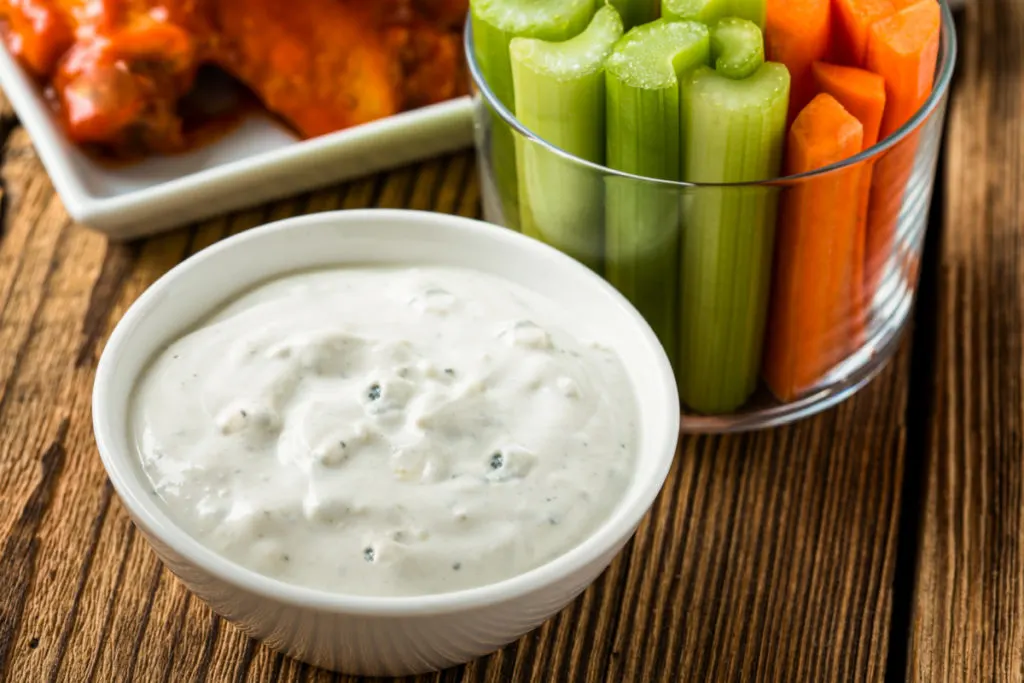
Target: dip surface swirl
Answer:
[[387, 431]]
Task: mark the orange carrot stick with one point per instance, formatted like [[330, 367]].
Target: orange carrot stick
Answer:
[[861, 93], [810, 307], [851, 24], [798, 33], [903, 50]]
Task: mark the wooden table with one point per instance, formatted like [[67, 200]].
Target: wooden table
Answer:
[[883, 539]]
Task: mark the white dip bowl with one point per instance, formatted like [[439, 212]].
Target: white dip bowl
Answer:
[[381, 635]]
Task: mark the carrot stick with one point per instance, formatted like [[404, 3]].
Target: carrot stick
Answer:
[[851, 23], [903, 50], [809, 311], [798, 34], [861, 93]]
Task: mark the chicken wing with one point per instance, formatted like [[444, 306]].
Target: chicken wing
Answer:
[[118, 68], [38, 32], [336, 63], [120, 82], [319, 68]]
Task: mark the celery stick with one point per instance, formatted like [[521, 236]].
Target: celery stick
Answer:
[[751, 10], [495, 24], [737, 48], [710, 11], [560, 97], [642, 222], [704, 11], [635, 12], [733, 131]]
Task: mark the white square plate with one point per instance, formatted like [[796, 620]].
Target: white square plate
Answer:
[[258, 161]]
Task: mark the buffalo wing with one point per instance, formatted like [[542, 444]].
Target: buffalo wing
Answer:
[[117, 69]]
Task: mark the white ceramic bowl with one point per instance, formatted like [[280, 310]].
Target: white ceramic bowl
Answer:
[[374, 635]]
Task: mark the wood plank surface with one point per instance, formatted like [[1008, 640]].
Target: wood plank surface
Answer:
[[968, 610], [768, 557]]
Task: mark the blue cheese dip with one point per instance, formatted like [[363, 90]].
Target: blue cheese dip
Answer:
[[388, 431]]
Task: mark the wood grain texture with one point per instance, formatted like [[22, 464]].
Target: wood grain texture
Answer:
[[968, 616], [768, 557]]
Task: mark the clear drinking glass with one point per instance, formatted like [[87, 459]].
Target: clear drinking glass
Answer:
[[699, 260]]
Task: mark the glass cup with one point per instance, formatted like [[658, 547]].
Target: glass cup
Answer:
[[712, 267]]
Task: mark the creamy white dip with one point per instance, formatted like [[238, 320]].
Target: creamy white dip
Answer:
[[381, 431]]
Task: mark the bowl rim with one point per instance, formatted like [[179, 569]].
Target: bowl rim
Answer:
[[148, 512], [944, 76]]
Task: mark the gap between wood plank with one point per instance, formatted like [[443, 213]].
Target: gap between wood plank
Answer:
[[8, 123], [920, 401]]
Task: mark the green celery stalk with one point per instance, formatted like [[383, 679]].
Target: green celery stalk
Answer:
[[710, 11], [635, 12], [751, 10], [733, 131], [560, 97], [704, 11], [495, 24], [737, 48], [642, 77]]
